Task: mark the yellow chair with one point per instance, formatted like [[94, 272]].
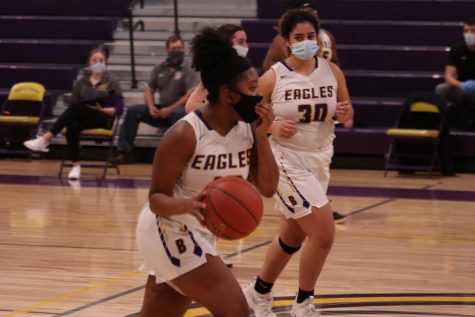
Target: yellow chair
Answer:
[[97, 137], [20, 115], [415, 141]]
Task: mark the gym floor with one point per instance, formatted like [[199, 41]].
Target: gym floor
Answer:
[[68, 249]]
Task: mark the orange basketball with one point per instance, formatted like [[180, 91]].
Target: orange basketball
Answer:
[[234, 207]]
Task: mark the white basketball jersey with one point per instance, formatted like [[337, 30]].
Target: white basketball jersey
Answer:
[[326, 45], [215, 156], [308, 100]]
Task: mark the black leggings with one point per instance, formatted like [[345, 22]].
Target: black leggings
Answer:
[[77, 118]]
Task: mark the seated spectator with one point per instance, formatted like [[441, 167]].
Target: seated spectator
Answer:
[[174, 80], [459, 87], [96, 99], [326, 41], [237, 37]]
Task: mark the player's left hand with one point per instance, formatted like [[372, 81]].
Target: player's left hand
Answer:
[[266, 117], [344, 111]]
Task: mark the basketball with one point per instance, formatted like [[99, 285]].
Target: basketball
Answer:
[[234, 207]]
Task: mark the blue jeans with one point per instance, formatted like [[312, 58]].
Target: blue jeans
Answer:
[[139, 113]]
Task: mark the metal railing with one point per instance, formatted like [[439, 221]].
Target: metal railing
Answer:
[[140, 24], [132, 27], [175, 17]]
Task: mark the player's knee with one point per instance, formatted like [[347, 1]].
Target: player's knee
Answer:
[[323, 240], [287, 248]]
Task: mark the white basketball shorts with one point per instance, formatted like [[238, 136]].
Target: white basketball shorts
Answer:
[[303, 181], [171, 248]]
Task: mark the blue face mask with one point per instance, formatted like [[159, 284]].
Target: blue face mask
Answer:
[[305, 50]]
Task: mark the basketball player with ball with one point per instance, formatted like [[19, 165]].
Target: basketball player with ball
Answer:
[[227, 137], [306, 92]]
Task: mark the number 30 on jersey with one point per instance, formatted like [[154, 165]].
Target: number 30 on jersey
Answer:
[[315, 112]]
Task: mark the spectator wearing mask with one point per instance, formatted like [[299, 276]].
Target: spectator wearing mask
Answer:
[[174, 80], [237, 38], [96, 99], [459, 86]]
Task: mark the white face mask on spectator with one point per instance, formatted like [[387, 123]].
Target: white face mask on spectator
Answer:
[[469, 38], [98, 68], [241, 50]]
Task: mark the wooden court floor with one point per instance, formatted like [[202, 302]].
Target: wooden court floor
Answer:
[[407, 247]]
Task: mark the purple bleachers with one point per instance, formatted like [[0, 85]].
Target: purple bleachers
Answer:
[[87, 8], [375, 57], [388, 49], [367, 141], [430, 33], [387, 111], [47, 51], [57, 28], [52, 77], [414, 10], [374, 141], [358, 32], [391, 58], [363, 83], [47, 41]]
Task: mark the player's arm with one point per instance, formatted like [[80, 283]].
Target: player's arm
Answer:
[[274, 54], [168, 164], [344, 109], [266, 85], [281, 128], [264, 172], [197, 98]]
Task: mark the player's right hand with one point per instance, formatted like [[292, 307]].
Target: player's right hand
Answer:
[[196, 207], [283, 129]]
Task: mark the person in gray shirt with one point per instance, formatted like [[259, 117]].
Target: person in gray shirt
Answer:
[[96, 101], [174, 80]]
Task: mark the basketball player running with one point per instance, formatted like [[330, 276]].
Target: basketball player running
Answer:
[[180, 254], [237, 37], [306, 93]]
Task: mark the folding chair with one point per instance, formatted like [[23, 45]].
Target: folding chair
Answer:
[[20, 116], [416, 139], [98, 136]]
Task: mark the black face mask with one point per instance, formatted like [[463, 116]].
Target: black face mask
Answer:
[[246, 107], [175, 58]]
